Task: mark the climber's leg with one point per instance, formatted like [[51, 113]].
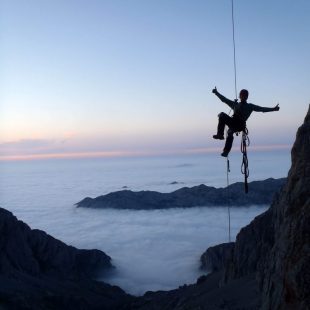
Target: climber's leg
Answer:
[[229, 142], [224, 119]]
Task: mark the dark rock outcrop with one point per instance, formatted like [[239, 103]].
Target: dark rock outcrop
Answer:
[[286, 277], [276, 245], [38, 271], [205, 295], [217, 257], [35, 252], [175, 183], [260, 193]]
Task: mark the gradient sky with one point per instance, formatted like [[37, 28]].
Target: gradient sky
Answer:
[[135, 76]]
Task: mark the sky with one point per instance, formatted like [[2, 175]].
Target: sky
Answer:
[[113, 77]]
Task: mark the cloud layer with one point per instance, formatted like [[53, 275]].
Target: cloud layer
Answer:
[[152, 250]]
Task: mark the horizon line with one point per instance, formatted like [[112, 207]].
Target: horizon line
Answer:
[[124, 154]]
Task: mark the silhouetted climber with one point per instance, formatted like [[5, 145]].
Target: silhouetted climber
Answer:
[[242, 111]]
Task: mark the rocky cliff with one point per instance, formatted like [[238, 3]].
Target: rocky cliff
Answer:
[[276, 245], [215, 258], [38, 271], [35, 252], [261, 193], [286, 277]]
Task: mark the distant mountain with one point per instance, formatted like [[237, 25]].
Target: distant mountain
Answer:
[[260, 193]]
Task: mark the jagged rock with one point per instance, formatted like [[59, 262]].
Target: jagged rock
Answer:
[[260, 193], [217, 257], [205, 295], [276, 245], [35, 252], [38, 271], [252, 244], [286, 276]]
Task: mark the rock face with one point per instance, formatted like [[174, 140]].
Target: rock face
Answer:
[[260, 193], [35, 252], [217, 257], [40, 272], [207, 294], [276, 245], [289, 257]]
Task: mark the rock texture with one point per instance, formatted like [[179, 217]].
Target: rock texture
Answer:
[[38, 271], [276, 245], [217, 257], [260, 193], [207, 294], [35, 252]]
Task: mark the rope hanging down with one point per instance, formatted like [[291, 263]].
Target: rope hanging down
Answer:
[[245, 142], [228, 208], [236, 98], [234, 44]]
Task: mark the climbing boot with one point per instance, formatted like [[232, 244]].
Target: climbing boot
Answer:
[[218, 137], [225, 154]]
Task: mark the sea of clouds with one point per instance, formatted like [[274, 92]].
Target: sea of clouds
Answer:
[[152, 250]]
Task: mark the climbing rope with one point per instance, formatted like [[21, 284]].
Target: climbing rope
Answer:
[[245, 142], [236, 99], [228, 208], [234, 45]]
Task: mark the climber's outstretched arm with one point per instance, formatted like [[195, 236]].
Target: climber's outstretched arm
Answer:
[[230, 103], [257, 108]]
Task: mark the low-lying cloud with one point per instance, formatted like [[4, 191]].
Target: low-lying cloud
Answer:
[[152, 250]]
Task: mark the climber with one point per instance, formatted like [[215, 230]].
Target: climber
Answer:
[[242, 111]]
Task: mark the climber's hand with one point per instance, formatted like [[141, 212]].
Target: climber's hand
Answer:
[[277, 108], [214, 90]]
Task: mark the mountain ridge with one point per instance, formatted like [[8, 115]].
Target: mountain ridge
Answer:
[[260, 193]]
